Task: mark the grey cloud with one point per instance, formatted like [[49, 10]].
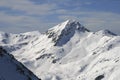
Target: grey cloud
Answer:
[[28, 7]]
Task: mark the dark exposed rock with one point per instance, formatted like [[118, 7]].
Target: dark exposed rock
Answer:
[[100, 77]]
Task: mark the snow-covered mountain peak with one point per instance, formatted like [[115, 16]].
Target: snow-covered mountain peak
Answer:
[[65, 31], [69, 24], [67, 51], [106, 32]]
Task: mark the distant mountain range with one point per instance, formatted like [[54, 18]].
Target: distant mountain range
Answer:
[[68, 51]]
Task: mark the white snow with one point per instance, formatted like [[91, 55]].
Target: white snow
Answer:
[[67, 51]]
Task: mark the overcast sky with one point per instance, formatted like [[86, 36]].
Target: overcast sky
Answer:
[[18, 16]]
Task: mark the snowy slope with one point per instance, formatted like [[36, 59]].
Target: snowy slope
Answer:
[[11, 69], [67, 51]]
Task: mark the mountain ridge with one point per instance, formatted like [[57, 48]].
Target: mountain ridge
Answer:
[[11, 69], [79, 55]]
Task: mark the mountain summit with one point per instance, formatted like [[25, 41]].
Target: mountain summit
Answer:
[[62, 33], [67, 51], [106, 32]]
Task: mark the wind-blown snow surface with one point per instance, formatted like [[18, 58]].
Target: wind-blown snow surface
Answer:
[[11, 69], [67, 51]]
